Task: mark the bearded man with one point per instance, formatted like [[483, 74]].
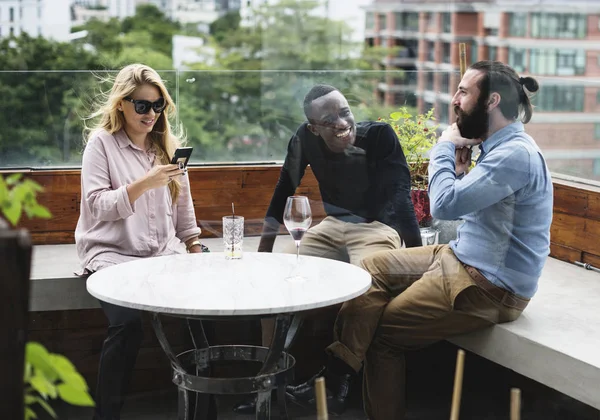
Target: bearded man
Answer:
[[486, 276]]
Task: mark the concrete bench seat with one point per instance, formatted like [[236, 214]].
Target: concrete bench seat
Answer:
[[555, 342]]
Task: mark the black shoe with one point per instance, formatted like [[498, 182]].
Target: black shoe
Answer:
[[338, 392], [248, 406]]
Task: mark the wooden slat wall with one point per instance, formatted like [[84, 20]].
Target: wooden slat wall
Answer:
[[575, 232]]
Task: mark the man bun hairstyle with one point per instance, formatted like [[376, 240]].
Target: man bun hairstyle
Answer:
[[315, 93], [514, 91]]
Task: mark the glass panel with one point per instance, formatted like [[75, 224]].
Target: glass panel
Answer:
[[42, 119], [249, 116]]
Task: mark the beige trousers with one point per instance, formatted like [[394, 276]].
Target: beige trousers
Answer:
[[342, 241], [419, 296]]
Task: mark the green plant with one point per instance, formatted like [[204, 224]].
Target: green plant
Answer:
[[51, 376], [47, 375], [18, 196], [417, 135]]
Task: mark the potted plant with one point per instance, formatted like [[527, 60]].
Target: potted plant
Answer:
[[417, 135], [46, 376]]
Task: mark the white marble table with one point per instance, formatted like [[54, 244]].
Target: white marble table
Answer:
[[207, 286]]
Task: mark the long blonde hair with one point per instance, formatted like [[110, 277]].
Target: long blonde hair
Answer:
[[162, 137]]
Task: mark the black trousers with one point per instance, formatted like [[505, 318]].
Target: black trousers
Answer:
[[117, 360]]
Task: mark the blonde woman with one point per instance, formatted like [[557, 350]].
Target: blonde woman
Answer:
[[134, 204]]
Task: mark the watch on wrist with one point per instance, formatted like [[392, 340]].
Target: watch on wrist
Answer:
[[203, 247], [193, 243]]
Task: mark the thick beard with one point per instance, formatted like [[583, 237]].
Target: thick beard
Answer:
[[475, 124]]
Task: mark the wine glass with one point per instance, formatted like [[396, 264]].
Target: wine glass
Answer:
[[297, 219]]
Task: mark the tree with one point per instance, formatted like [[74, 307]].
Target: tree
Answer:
[[40, 106], [247, 105], [146, 37], [224, 25]]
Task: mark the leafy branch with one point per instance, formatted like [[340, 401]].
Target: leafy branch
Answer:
[[417, 135], [50, 376], [18, 196]]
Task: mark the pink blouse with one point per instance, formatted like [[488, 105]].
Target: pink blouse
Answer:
[[110, 230]]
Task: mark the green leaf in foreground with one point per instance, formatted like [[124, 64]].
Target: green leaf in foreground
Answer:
[[74, 395]]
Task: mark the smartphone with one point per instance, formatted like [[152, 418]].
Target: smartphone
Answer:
[[182, 155]]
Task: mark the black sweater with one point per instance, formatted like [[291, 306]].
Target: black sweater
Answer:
[[372, 182]]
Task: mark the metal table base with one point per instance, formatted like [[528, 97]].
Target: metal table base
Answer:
[[196, 387]]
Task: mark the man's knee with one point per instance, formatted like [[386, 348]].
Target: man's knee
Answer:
[[374, 263]]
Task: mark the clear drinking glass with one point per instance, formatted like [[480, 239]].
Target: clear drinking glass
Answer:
[[429, 236], [233, 236], [297, 218]]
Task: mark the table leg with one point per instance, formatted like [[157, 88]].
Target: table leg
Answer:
[[293, 331], [278, 342], [192, 405], [202, 406]]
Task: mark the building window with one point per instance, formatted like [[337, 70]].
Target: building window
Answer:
[[492, 53], [474, 52], [516, 59], [11, 14], [370, 20], [383, 42], [445, 82], [597, 131], [598, 97], [560, 98], [427, 107], [596, 168], [555, 25], [432, 20], [407, 21], [446, 58], [442, 111], [430, 81], [430, 51], [382, 22], [557, 62], [446, 23], [517, 24]]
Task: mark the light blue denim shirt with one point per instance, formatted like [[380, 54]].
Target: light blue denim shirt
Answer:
[[506, 203]]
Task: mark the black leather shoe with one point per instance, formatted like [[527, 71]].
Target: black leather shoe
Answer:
[[248, 406], [338, 392]]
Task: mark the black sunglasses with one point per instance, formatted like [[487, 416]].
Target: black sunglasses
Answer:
[[143, 107]]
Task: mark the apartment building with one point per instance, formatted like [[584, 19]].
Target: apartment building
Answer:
[[47, 18], [557, 41]]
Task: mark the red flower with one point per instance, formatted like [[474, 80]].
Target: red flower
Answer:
[[426, 130]]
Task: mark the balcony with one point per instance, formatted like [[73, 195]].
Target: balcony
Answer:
[[239, 124]]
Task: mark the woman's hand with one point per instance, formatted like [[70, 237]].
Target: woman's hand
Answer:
[[161, 175]]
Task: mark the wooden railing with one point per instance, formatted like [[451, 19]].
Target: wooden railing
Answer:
[[575, 230]]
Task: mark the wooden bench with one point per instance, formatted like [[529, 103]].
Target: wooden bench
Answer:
[[555, 341]]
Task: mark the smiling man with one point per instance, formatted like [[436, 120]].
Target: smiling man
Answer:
[[363, 179], [364, 183]]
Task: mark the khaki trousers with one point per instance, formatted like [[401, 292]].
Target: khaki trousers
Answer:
[[419, 296], [342, 241]]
